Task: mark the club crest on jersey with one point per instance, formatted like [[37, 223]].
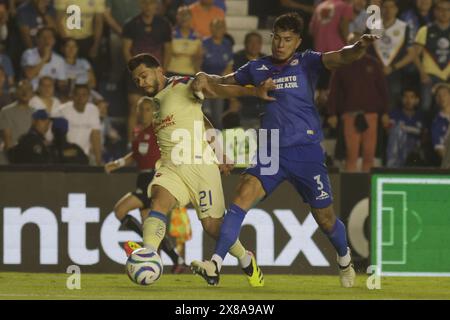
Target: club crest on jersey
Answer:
[[294, 62]]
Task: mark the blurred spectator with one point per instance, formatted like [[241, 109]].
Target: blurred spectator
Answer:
[[218, 3], [42, 61], [62, 151], [89, 36], [218, 59], [392, 49], [15, 119], [32, 16], [109, 135], [203, 13], [79, 70], [84, 123], [169, 9], [12, 5], [405, 130], [32, 147], [8, 70], [4, 32], [184, 55], [249, 108], [418, 16], [5, 96], [45, 98], [329, 25], [145, 33], [358, 93], [116, 14], [305, 8], [359, 23], [441, 123], [432, 45]]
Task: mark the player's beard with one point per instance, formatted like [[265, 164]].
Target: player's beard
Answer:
[[155, 87]]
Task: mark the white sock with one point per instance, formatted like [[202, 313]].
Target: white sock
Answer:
[[245, 260], [218, 259], [150, 247], [345, 260], [180, 260]]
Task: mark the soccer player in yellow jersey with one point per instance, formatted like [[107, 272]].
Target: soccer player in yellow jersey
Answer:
[[188, 171]]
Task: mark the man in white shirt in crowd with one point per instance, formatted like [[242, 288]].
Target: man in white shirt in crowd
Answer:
[[15, 119], [84, 123], [42, 61]]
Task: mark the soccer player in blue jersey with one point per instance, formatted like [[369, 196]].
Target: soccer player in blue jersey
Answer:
[[301, 157]]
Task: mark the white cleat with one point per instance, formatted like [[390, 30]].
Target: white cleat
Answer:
[[347, 274]]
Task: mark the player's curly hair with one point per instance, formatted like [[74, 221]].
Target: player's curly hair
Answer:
[[144, 58], [289, 22]]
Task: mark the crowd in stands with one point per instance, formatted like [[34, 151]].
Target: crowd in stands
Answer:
[[393, 104]]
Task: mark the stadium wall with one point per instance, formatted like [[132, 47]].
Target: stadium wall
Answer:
[[58, 217]]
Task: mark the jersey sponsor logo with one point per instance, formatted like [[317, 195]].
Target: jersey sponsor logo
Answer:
[[164, 123], [263, 68], [310, 132], [289, 82]]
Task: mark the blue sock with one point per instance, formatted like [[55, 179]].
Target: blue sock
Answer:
[[338, 238], [230, 229]]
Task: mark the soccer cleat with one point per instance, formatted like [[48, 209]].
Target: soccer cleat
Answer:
[[208, 270], [254, 274], [347, 274], [130, 246]]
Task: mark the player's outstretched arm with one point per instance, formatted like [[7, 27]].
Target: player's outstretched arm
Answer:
[[348, 54], [201, 83], [223, 91], [119, 163]]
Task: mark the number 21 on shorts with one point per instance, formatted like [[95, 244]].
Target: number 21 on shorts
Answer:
[[205, 200]]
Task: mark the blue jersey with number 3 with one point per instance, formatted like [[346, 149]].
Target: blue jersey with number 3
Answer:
[[293, 112]]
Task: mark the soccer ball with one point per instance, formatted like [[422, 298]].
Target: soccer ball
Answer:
[[144, 266]]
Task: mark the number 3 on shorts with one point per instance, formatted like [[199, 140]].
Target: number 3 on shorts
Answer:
[[319, 183]]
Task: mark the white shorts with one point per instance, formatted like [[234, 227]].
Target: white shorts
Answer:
[[199, 184]]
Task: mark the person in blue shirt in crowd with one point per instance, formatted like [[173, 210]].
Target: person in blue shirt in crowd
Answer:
[[217, 59], [405, 130], [296, 155], [440, 127]]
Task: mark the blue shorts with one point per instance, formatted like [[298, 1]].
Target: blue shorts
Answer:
[[304, 167]]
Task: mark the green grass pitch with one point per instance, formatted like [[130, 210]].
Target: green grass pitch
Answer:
[[232, 287]]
